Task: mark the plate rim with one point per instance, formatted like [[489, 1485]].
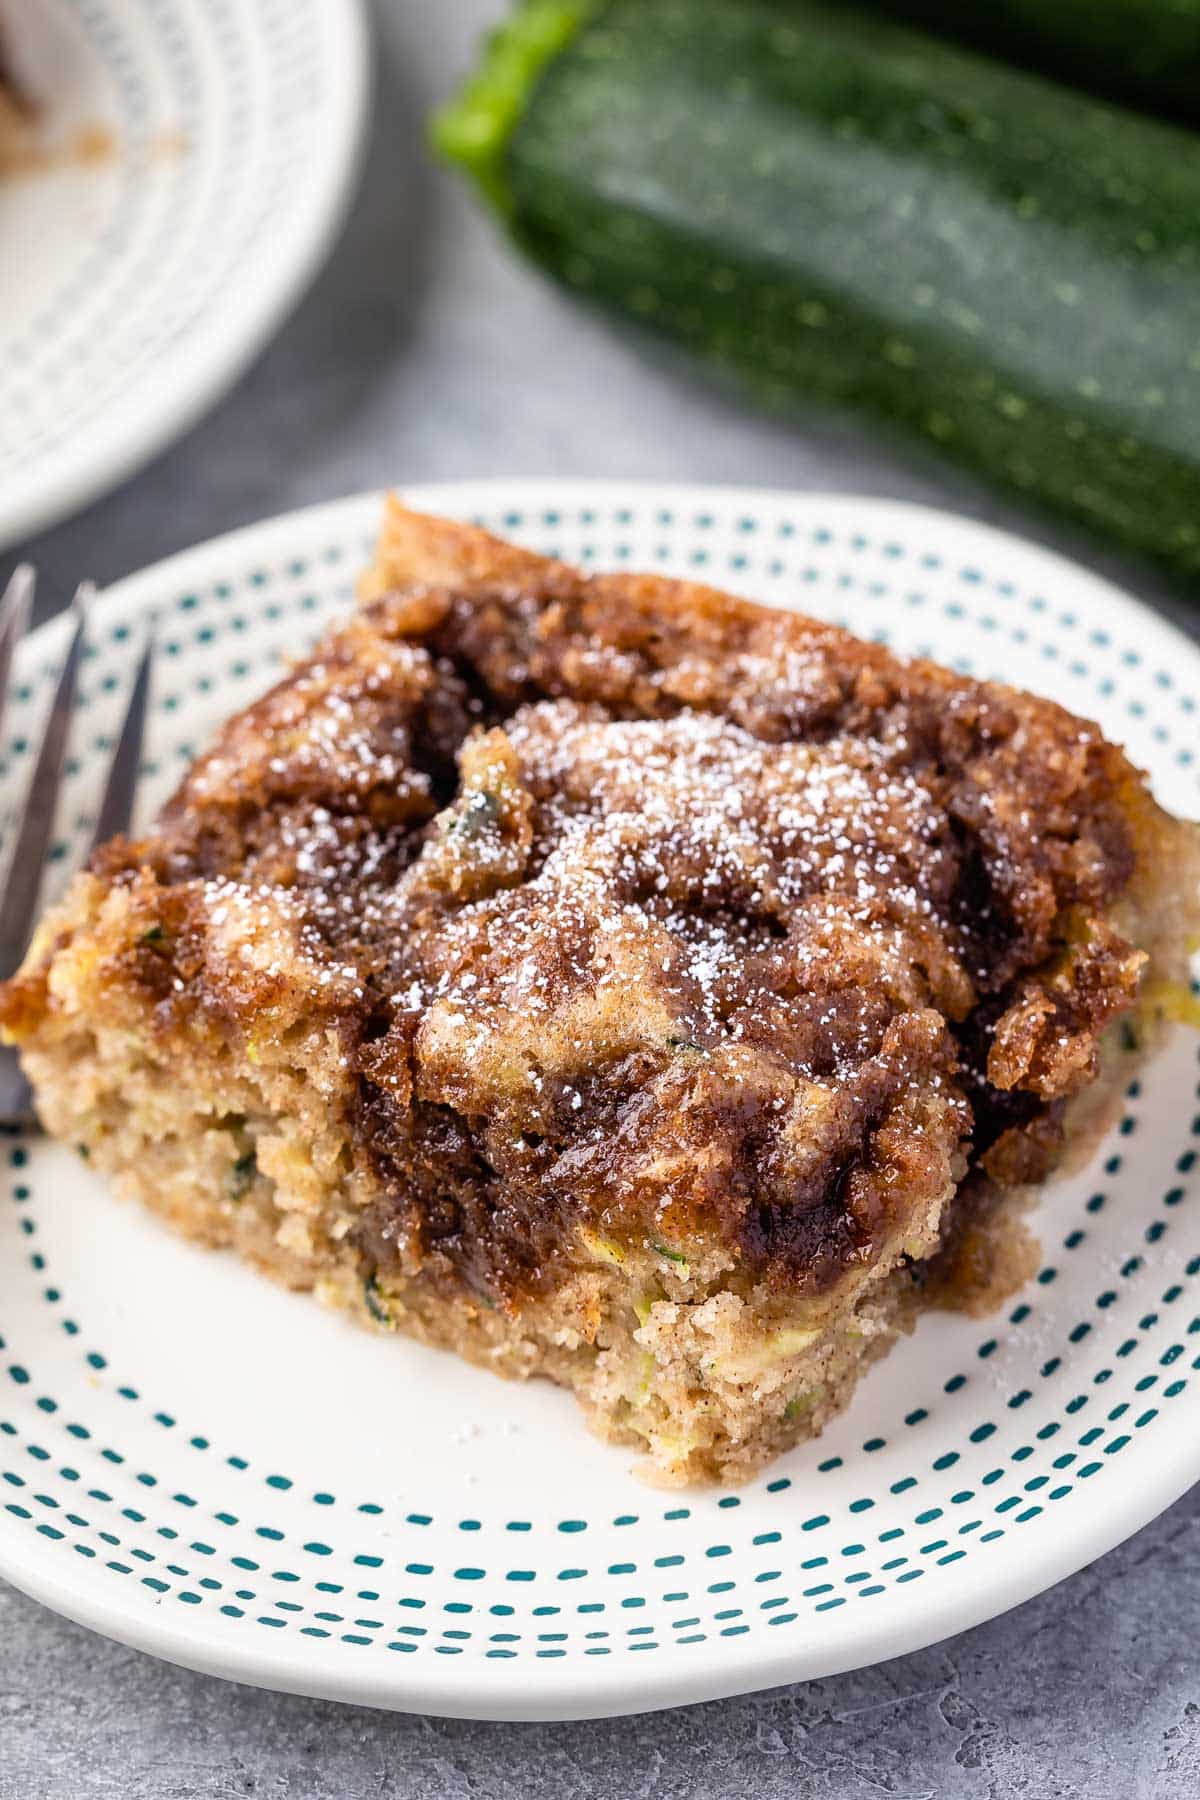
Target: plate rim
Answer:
[[571, 1690], [107, 456]]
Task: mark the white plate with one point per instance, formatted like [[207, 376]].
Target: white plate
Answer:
[[135, 288], [222, 1473]]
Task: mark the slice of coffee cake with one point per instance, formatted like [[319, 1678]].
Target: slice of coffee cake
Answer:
[[612, 980]]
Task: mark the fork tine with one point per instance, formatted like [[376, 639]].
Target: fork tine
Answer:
[[37, 821], [14, 616], [116, 808]]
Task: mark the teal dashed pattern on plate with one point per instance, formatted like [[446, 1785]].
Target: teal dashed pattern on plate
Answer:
[[201, 1464]]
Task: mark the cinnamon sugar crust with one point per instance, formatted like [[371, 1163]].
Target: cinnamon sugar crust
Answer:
[[647, 951]]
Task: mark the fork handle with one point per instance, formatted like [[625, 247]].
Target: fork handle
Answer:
[[16, 1095]]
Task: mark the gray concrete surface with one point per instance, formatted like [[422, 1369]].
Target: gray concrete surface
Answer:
[[426, 351], [1088, 1693]]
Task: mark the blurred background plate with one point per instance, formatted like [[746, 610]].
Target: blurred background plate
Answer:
[[202, 154]]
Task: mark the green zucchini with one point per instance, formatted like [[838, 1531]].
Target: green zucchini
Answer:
[[835, 208], [241, 1176], [1144, 53]]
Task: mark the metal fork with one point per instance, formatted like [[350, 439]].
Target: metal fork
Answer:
[[27, 860]]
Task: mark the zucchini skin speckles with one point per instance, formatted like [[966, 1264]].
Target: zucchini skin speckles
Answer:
[[834, 209]]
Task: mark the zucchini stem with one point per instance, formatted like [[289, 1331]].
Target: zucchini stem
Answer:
[[473, 129]]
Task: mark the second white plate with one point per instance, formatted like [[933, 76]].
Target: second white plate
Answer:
[[135, 284]]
